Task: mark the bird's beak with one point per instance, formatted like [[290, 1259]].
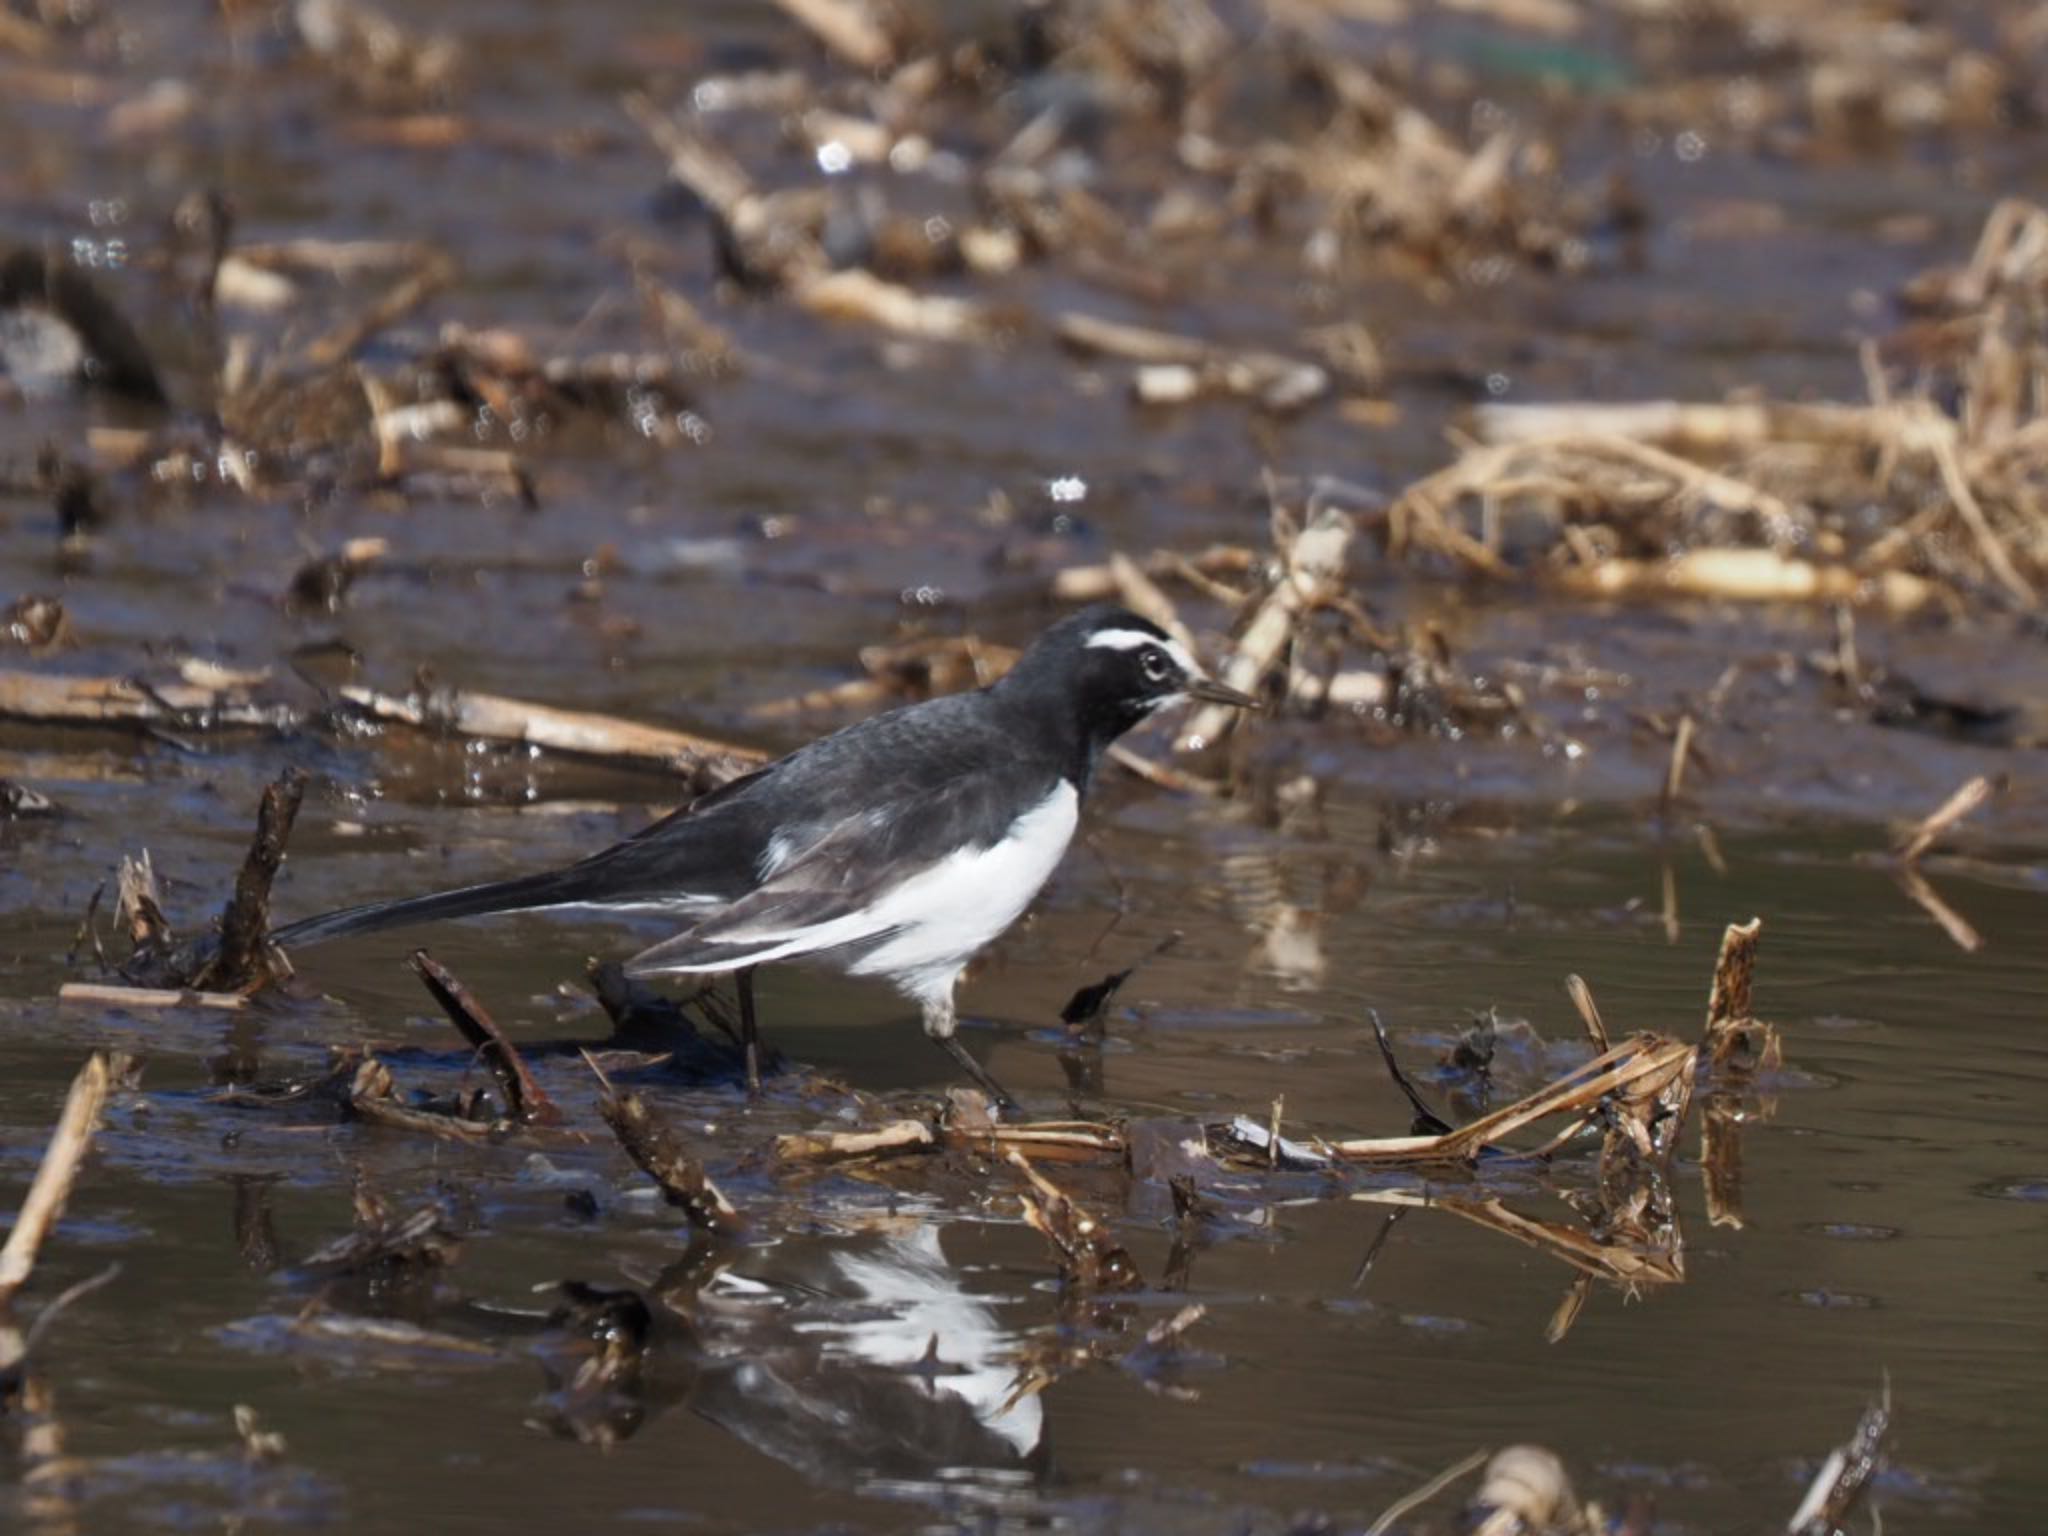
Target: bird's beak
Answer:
[[1209, 691]]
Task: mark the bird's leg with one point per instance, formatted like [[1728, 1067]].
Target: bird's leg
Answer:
[[940, 1019], [750, 1035]]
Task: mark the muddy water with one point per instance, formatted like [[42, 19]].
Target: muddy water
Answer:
[[1895, 1169]]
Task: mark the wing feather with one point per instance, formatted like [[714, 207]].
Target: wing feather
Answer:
[[824, 894]]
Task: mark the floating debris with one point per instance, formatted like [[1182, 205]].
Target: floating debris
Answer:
[[1090, 1258], [663, 1158], [1846, 1475], [524, 1097]]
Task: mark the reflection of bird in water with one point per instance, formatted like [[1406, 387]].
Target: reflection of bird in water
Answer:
[[895, 1374], [876, 1367]]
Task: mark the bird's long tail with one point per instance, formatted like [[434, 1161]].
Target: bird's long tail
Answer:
[[552, 888]]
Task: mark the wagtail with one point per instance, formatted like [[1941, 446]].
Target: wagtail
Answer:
[[897, 847]]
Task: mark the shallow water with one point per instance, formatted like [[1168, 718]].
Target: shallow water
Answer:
[[1894, 1168]]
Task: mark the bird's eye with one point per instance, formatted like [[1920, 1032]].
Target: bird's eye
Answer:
[[1156, 666]]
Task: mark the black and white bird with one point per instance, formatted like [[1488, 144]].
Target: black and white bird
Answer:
[[897, 847]]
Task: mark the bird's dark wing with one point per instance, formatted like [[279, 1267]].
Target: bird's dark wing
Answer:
[[830, 892]]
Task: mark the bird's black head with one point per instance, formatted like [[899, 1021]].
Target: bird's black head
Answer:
[[1105, 670]]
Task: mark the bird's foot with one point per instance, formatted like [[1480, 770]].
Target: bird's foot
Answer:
[[983, 1079]]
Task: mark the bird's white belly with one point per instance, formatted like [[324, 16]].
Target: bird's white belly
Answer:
[[941, 916]]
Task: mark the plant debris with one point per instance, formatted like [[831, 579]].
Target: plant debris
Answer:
[[663, 1158], [1089, 1258], [524, 1098]]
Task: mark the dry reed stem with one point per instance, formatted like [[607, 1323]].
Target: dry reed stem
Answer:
[[854, 293], [1144, 597], [704, 763], [1589, 1012], [1415, 1499], [113, 996], [1644, 1064], [895, 1138], [1968, 797], [246, 958], [56, 700], [1175, 369], [847, 27], [1728, 1000], [1674, 773], [57, 1173], [1751, 576], [1313, 566], [1202, 570], [1067, 1140]]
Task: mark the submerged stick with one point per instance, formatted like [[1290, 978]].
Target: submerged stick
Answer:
[[525, 1099]]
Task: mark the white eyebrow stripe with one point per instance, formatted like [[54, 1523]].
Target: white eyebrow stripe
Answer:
[[1124, 639], [1131, 639]]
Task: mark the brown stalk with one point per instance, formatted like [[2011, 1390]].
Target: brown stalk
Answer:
[[1645, 1063], [703, 763], [525, 1099], [1589, 1012], [1313, 563], [1968, 797], [373, 1096], [246, 958], [658, 1153], [1089, 1257]]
